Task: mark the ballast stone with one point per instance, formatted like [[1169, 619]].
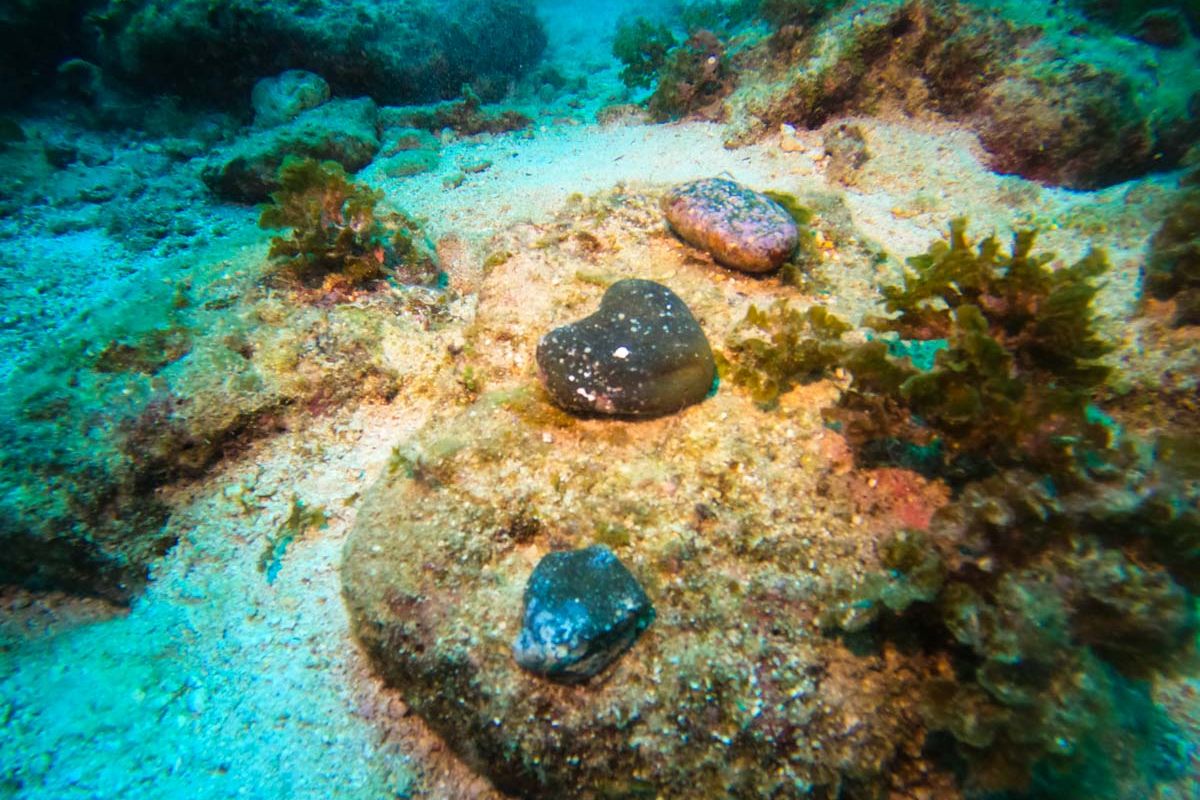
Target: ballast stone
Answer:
[[739, 227], [641, 354], [583, 610]]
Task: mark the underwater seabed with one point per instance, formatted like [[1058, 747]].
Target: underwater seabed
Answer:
[[355, 468]]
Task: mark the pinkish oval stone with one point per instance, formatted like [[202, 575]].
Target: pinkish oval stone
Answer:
[[739, 227]]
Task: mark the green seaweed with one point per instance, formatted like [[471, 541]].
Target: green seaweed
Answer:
[[1014, 383], [337, 236], [772, 351], [496, 259], [802, 214], [1015, 367], [300, 520], [1050, 626], [1061, 577], [798, 271], [688, 77], [915, 573], [146, 353], [692, 81], [642, 47]]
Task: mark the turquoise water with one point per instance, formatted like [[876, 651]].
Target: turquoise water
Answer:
[[273, 279]]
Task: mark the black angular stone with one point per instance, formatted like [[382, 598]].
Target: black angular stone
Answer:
[[583, 609], [642, 354]]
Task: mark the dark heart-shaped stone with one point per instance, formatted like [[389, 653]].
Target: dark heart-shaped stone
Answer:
[[583, 609], [642, 354]]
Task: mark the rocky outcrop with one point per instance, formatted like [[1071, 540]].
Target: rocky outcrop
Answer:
[[345, 131], [396, 51], [1047, 103]]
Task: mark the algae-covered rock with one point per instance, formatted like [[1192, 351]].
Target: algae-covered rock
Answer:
[[583, 609], [345, 131], [397, 51], [1172, 270], [733, 519], [409, 162], [738, 226], [728, 688], [73, 515], [283, 97], [467, 116], [642, 353], [153, 391]]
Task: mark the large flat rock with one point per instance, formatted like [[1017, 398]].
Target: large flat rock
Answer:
[[736, 521]]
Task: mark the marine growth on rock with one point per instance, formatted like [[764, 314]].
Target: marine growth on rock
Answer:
[[642, 354]]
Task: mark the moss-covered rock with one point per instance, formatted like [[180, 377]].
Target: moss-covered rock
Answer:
[[343, 131], [1046, 105]]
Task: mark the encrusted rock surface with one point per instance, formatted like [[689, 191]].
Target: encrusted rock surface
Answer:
[[283, 97], [737, 522], [642, 353], [733, 691], [738, 226], [1047, 103], [583, 609]]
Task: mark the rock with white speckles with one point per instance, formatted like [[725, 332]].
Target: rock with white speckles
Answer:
[[642, 354], [583, 609], [739, 227]]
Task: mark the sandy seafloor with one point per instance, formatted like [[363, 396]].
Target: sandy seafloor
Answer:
[[217, 684]]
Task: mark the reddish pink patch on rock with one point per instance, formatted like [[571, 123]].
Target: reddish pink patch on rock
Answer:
[[902, 496]]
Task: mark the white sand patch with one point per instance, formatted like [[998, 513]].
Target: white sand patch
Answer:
[[531, 174], [218, 683]]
